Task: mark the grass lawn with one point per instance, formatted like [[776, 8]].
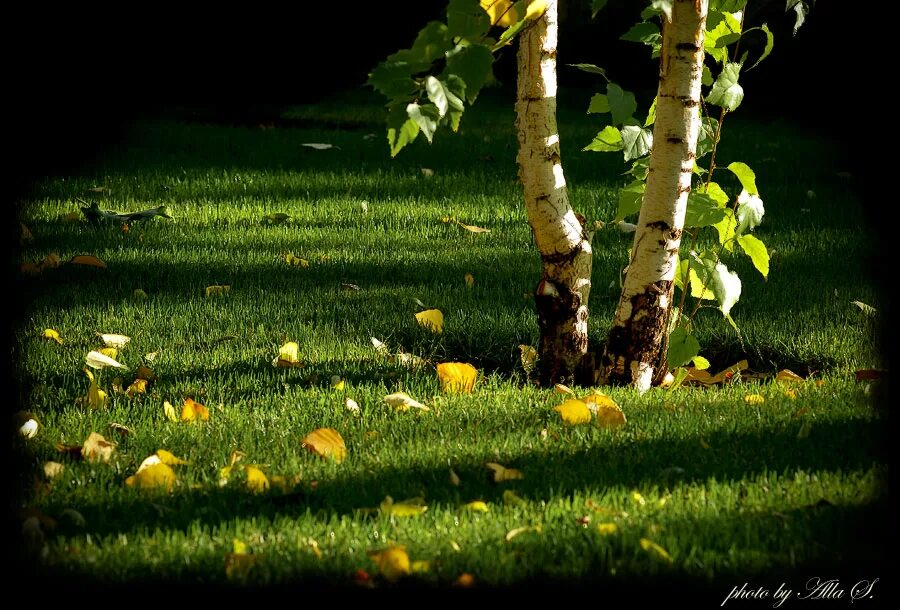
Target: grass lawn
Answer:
[[729, 491]]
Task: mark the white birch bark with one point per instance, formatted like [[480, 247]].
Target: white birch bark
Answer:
[[561, 297], [636, 346]]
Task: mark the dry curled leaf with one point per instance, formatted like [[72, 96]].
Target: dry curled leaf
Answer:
[[469, 279], [402, 402], [87, 260], [112, 340], [29, 428], [98, 360], [97, 449], [457, 377], [138, 386], [501, 473], [352, 406], [528, 356], [121, 429], [326, 442], [217, 290], [145, 372]]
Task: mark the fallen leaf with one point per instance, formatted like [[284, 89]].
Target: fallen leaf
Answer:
[[29, 428], [563, 389], [277, 218], [419, 566], [410, 360], [87, 260], [754, 399], [407, 508], [638, 499], [788, 376], [510, 498], [49, 333], [326, 442], [478, 506], [53, 469], [144, 372], [866, 309], [193, 410], [464, 580], [473, 229], [337, 383], [153, 474], [431, 319], [392, 562], [288, 355], [295, 261], [402, 402], [169, 459], [117, 341], [150, 357], [607, 529], [138, 386], [97, 449], [426, 171], [728, 373], [502, 473], [217, 290], [169, 411], [655, 550], [574, 412], [98, 360], [352, 406], [457, 377], [792, 394], [605, 410], [528, 356], [121, 429], [469, 279], [96, 398], [379, 346], [109, 352], [319, 145], [454, 478], [257, 482], [348, 286]]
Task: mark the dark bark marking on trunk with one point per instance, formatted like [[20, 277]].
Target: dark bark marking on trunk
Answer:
[[676, 140], [659, 224], [687, 46], [556, 317]]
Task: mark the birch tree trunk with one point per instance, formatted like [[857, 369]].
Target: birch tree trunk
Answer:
[[636, 346], [561, 297]]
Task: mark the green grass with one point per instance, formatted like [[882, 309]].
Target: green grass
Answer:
[[743, 495]]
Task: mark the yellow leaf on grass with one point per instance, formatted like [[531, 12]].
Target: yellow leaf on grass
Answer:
[[49, 333], [788, 376], [337, 383], [605, 409], [99, 360], [457, 377], [511, 499], [120, 429], [96, 398], [153, 474], [701, 363], [257, 482], [607, 529], [393, 562], [727, 374], [169, 410], [419, 566], [87, 260], [193, 410], [295, 261], [407, 508], [528, 356], [502, 473], [53, 469], [432, 319], [501, 12], [326, 442], [563, 389], [655, 550], [478, 506], [754, 399], [352, 406], [117, 341], [638, 499], [288, 355], [465, 580], [402, 402], [473, 229], [470, 279], [169, 459], [217, 290], [574, 412], [109, 352], [97, 449], [138, 386], [792, 394]]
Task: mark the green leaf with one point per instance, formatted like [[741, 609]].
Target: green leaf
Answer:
[[454, 117], [702, 211], [621, 103], [651, 114], [591, 68], [432, 42], [393, 79], [683, 347], [402, 130], [596, 7], [726, 92], [722, 28], [706, 137], [441, 96], [426, 117], [599, 104], [770, 43], [706, 78], [466, 19], [663, 6], [750, 211], [511, 31], [728, 6], [716, 193], [640, 168], [726, 229], [473, 65], [636, 141], [698, 290], [756, 250], [607, 140], [746, 176], [645, 32], [630, 200], [725, 284]]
